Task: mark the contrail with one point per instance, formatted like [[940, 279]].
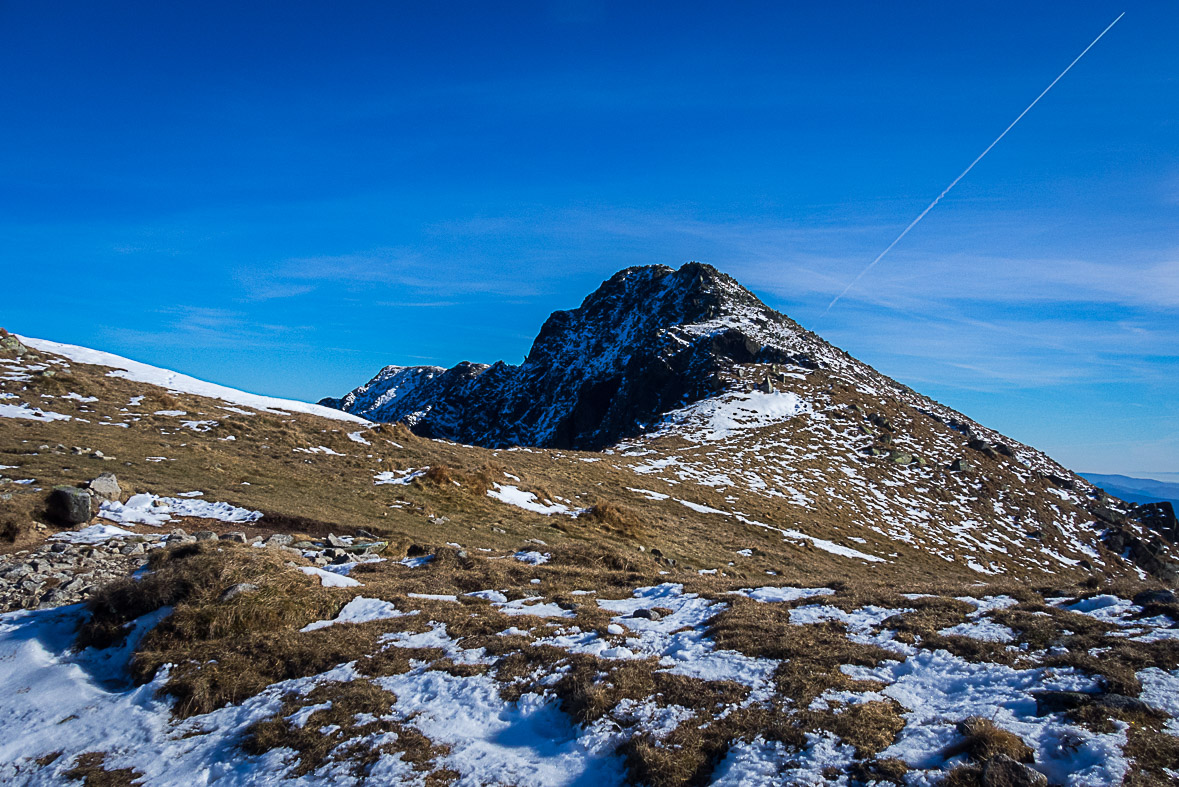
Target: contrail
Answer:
[[946, 190]]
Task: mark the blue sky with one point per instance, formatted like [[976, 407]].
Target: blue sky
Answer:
[[286, 196]]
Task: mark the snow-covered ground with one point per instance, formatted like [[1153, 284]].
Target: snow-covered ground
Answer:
[[57, 700]]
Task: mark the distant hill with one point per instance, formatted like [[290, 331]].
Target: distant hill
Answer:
[[1136, 490]]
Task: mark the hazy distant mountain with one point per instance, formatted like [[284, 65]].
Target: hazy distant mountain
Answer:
[[1136, 490]]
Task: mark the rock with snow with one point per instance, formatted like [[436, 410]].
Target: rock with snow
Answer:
[[647, 342]]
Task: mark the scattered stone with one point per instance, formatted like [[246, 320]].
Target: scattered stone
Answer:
[[648, 614], [983, 447], [234, 535], [279, 540], [1049, 702], [206, 535], [1156, 597], [106, 486], [1002, 771], [69, 505], [900, 458], [1120, 702], [335, 541]]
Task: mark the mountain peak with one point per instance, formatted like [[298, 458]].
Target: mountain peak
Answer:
[[649, 340]]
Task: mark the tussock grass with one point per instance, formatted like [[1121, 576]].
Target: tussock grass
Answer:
[[615, 518], [359, 715], [982, 740], [90, 769]]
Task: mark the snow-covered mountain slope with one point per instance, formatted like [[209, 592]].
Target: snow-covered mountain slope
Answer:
[[692, 372], [174, 381]]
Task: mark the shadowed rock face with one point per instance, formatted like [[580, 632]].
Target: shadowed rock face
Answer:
[[649, 340]]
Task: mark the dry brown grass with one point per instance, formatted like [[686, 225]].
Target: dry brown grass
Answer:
[[358, 713], [982, 739], [615, 518], [90, 769], [811, 654]]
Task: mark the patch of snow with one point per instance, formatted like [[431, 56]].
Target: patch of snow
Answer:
[[1160, 690], [360, 610], [937, 688], [330, 579], [398, 477], [147, 509], [30, 413], [95, 534], [514, 496], [649, 494], [985, 630], [702, 509], [772, 594], [143, 373], [718, 418], [771, 762], [319, 449]]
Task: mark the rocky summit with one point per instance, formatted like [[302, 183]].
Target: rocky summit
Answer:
[[649, 340]]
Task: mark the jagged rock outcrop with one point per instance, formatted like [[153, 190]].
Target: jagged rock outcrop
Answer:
[[649, 340]]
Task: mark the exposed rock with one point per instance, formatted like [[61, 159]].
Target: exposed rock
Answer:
[[236, 536], [1159, 517], [106, 486], [1156, 597], [69, 505], [648, 614], [9, 343], [900, 458], [278, 540], [60, 573], [206, 535], [648, 341], [963, 466], [1049, 702], [1002, 771], [335, 541], [1120, 702]]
